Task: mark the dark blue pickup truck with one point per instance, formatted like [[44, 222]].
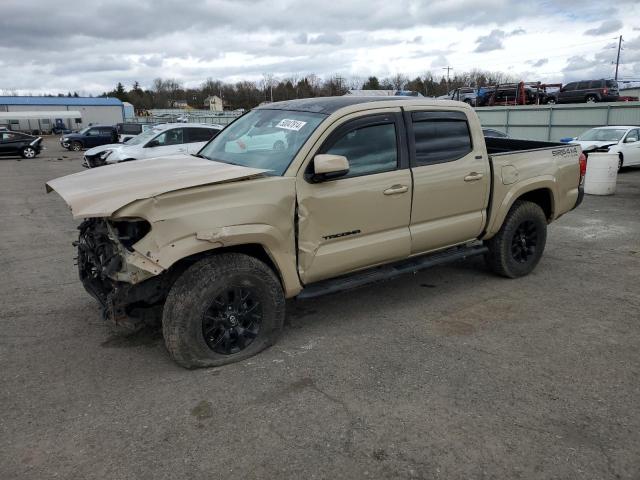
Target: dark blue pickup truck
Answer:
[[89, 137]]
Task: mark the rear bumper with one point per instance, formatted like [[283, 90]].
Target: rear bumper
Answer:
[[580, 195]]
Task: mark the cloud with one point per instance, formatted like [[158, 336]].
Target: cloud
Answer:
[[608, 26], [493, 41], [538, 63], [243, 39], [327, 39], [440, 61]]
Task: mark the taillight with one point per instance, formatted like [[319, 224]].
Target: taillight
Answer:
[[605, 91], [583, 166]]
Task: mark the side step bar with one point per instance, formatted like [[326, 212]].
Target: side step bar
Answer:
[[387, 272]]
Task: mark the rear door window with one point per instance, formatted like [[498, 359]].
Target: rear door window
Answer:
[[195, 135], [582, 86], [440, 137]]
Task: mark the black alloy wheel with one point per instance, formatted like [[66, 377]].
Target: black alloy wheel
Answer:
[[233, 320], [524, 242]]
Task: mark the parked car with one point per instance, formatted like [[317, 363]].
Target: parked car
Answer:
[[518, 94], [263, 137], [161, 140], [367, 188], [462, 94], [623, 140], [492, 132], [589, 91], [89, 137], [16, 143], [127, 131]]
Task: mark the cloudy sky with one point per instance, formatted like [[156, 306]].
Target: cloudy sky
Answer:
[[88, 46]]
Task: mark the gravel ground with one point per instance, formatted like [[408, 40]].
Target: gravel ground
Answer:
[[451, 373]]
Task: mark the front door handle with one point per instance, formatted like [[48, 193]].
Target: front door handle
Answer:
[[396, 189], [473, 176]]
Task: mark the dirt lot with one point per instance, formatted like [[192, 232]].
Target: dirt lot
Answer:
[[451, 373]]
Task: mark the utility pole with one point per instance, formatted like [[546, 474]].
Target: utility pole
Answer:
[[447, 69], [618, 59]]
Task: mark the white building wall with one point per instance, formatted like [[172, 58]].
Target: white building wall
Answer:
[[94, 114]]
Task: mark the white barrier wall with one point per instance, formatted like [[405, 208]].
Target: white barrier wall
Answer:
[[553, 122]]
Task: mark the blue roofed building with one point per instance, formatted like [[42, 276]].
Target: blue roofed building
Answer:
[[42, 112]]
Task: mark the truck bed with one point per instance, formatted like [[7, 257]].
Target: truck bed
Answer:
[[496, 145], [524, 165]]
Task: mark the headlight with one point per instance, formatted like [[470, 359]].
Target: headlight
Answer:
[[65, 139], [106, 154], [130, 231]]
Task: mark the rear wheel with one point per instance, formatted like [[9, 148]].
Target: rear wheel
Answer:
[[223, 309], [516, 249], [620, 162], [28, 152], [591, 99], [76, 146]]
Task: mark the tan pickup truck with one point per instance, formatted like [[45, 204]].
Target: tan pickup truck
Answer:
[[303, 198]]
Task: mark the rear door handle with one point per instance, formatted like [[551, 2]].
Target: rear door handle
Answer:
[[396, 189], [473, 176]]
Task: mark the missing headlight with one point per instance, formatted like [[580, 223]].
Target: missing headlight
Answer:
[[130, 231]]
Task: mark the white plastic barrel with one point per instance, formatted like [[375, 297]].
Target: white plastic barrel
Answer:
[[602, 174]]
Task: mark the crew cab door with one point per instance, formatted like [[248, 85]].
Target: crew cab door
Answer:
[[451, 178], [360, 219]]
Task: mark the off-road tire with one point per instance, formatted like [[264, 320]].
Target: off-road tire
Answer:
[[500, 258], [75, 146], [193, 293]]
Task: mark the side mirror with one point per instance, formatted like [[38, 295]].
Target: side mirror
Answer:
[[630, 140], [152, 143], [328, 167]]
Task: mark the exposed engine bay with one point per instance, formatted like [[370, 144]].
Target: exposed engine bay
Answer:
[[102, 245]]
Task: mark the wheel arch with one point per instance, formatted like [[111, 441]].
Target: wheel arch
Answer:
[[260, 241], [540, 193]]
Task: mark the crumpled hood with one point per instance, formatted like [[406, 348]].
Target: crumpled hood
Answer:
[[103, 148], [589, 145], [101, 191]]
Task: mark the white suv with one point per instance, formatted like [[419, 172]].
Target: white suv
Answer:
[[160, 141]]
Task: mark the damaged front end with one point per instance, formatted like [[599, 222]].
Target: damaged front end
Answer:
[[129, 296]]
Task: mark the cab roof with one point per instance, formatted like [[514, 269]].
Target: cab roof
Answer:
[[329, 105]]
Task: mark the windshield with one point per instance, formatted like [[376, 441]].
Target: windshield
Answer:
[[266, 139], [602, 135], [143, 137]]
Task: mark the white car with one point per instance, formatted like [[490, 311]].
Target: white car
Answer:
[[623, 140], [160, 141], [259, 138]]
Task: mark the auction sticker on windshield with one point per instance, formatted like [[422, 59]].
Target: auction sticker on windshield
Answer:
[[291, 124]]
